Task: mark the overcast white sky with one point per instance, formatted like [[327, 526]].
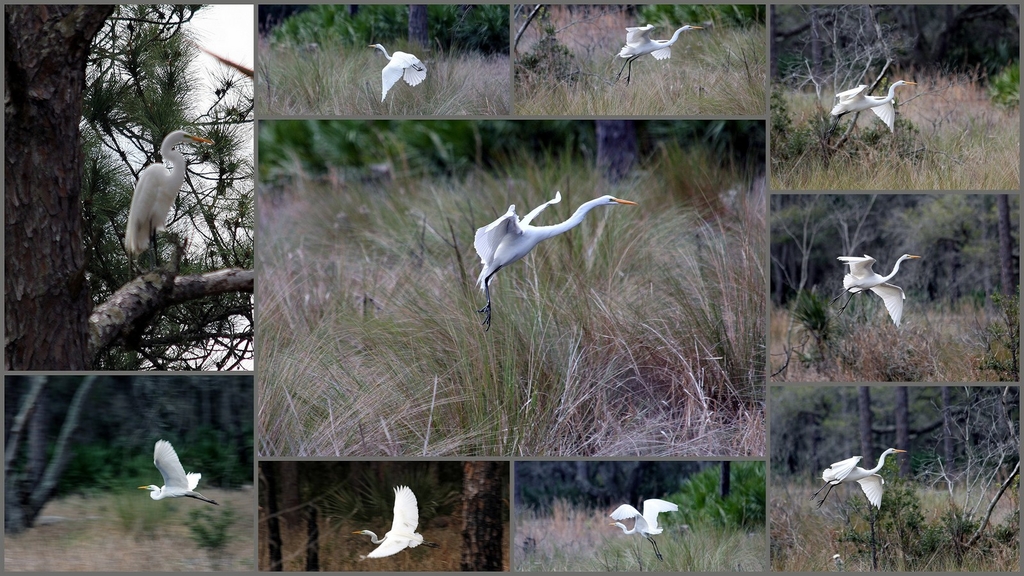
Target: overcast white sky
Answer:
[[227, 30]]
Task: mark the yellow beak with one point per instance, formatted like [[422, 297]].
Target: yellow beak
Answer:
[[625, 202]]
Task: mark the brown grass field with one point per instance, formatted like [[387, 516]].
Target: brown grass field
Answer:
[[962, 142], [718, 72], [930, 346], [345, 81], [805, 539], [129, 532]]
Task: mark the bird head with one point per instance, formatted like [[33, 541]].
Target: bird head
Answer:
[[688, 27], [904, 83], [614, 200], [894, 451], [909, 257], [198, 139]]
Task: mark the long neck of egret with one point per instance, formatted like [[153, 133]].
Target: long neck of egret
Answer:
[[545, 232], [881, 459], [169, 154], [381, 48], [896, 267]]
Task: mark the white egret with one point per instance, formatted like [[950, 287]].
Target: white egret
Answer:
[[401, 65], [638, 43], [862, 277], [645, 525], [856, 99], [508, 239], [403, 528], [846, 471], [154, 193], [176, 482]]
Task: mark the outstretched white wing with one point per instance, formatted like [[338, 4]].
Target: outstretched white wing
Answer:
[[166, 461], [654, 506], [489, 237], [638, 35], [533, 213], [886, 113], [872, 487], [838, 471]]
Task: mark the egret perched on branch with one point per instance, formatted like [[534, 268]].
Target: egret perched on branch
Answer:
[[154, 193], [856, 99], [862, 277], [403, 528], [401, 65], [638, 43], [645, 525], [176, 482], [846, 471], [508, 239]]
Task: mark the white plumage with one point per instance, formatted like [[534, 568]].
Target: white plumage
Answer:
[[863, 277], [400, 65], [645, 524], [638, 43], [846, 471], [403, 528], [856, 99]]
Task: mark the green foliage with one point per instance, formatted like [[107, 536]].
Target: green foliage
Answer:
[[548, 60], [812, 312], [139, 515], [720, 15], [1004, 88], [700, 502], [209, 528], [1002, 342], [790, 141], [479, 27]]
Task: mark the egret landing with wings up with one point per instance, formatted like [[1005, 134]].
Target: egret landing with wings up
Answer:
[[846, 471], [856, 99], [401, 65], [403, 528], [508, 239], [646, 524], [638, 43], [176, 482], [862, 277]]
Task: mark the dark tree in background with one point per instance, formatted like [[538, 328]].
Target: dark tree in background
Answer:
[[47, 301], [616, 147], [482, 530], [418, 25]]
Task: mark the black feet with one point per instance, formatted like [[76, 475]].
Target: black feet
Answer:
[[487, 318]]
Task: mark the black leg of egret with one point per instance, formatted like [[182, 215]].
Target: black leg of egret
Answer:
[[832, 126], [656, 551], [621, 69], [827, 492], [152, 243], [487, 307], [843, 307]]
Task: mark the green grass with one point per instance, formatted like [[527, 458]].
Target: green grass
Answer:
[[640, 332], [720, 72], [341, 80], [949, 136], [576, 539]]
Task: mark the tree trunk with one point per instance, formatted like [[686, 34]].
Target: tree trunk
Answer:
[[724, 480], [47, 300], [269, 473], [947, 433], [864, 408], [616, 147], [1006, 275], [418, 25], [312, 540], [482, 531], [903, 428]]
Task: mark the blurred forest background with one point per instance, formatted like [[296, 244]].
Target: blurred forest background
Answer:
[[562, 521], [309, 511], [566, 60], [960, 317], [956, 130], [639, 331], [315, 59], [77, 448], [952, 504]]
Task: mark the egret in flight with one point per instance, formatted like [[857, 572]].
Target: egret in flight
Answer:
[[846, 471], [154, 193], [856, 99], [401, 65], [508, 239], [638, 43], [403, 528], [645, 525], [176, 482], [862, 277]]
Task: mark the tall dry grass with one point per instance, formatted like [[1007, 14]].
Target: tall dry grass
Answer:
[[932, 344], [579, 539], [958, 140], [346, 81], [713, 72], [640, 332]]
